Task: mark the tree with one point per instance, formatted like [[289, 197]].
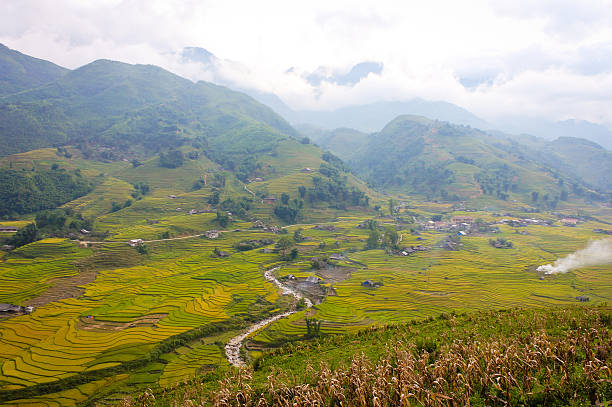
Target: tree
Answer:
[[372, 242], [391, 206], [214, 198], [302, 191], [391, 237], [534, 196], [564, 195], [285, 198], [297, 235], [294, 254], [284, 244], [222, 219]]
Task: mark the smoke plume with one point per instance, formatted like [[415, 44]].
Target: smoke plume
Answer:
[[597, 252]]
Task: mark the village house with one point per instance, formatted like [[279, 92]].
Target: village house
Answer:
[[211, 234], [462, 219], [307, 170], [336, 256], [270, 200], [569, 221], [371, 284], [8, 229], [135, 242]]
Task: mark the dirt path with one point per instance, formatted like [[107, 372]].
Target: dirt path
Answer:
[[232, 349], [149, 241]]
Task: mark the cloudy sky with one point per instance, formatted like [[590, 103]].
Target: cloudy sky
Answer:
[[540, 58]]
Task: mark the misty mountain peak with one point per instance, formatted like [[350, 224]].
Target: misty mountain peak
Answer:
[[198, 54], [351, 78]]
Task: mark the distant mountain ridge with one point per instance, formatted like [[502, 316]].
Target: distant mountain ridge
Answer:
[[374, 116], [440, 160]]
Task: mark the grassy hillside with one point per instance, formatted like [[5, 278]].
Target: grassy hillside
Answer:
[[344, 142], [438, 160], [507, 357]]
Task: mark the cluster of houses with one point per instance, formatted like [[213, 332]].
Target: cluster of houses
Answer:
[[258, 224], [407, 251], [457, 223]]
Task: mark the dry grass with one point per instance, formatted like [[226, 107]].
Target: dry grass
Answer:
[[534, 368]]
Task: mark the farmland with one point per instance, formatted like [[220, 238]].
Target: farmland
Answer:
[[138, 301]]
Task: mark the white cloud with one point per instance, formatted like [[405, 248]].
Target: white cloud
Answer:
[[546, 58]]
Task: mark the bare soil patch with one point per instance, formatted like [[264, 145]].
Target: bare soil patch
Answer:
[[63, 287], [335, 274], [91, 324]]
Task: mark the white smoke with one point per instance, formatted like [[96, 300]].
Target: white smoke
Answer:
[[597, 252]]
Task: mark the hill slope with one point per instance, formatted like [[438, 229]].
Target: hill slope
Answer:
[[515, 357], [112, 103], [416, 155], [19, 72]]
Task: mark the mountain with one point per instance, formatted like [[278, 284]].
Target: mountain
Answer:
[[350, 78], [416, 155], [374, 116], [113, 103], [551, 130], [583, 159], [19, 72], [344, 142]]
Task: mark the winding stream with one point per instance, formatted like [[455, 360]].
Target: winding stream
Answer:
[[232, 349]]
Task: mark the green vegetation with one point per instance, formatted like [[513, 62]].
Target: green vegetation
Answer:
[[171, 159], [19, 72], [390, 296], [29, 191], [507, 357]]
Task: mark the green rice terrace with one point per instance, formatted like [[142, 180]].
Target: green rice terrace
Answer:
[[111, 319]]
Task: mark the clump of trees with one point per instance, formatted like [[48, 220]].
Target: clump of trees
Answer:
[[171, 159], [31, 191], [283, 245], [24, 236], [116, 206]]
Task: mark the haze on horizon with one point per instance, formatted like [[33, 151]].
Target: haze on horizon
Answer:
[[547, 59]]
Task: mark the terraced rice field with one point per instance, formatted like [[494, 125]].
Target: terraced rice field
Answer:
[[139, 301]]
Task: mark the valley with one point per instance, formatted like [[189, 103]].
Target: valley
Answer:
[[160, 236]]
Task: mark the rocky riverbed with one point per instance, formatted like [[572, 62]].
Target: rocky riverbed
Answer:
[[232, 349]]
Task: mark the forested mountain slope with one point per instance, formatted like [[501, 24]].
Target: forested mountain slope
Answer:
[[20, 72]]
